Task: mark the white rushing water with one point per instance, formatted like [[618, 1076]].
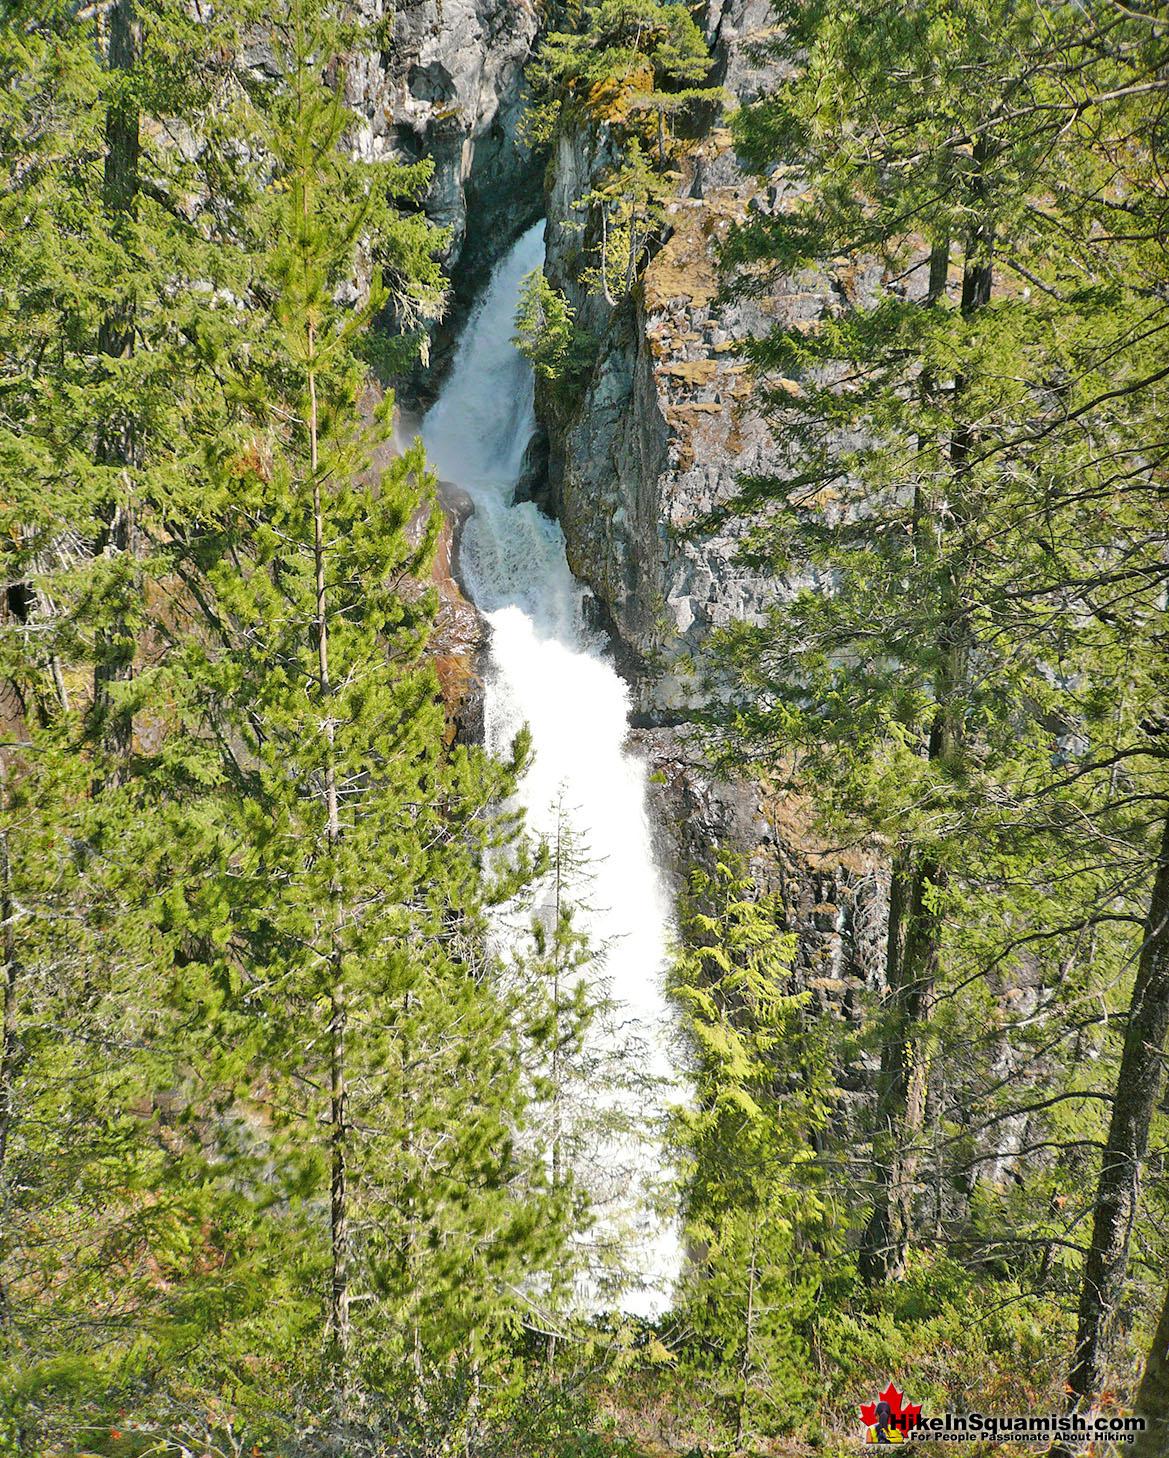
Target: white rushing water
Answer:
[[549, 671]]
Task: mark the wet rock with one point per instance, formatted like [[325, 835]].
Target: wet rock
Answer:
[[533, 483], [447, 85]]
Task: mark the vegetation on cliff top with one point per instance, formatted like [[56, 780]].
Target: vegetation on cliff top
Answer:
[[282, 1141], [974, 457]]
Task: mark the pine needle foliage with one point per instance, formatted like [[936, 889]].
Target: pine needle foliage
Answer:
[[757, 1206], [971, 476], [261, 1084]]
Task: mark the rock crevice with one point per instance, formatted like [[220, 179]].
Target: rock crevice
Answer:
[[448, 86]]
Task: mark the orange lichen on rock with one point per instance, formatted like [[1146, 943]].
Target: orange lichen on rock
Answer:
[[612, 98], [457, 635], [692, 371], [683, 268]]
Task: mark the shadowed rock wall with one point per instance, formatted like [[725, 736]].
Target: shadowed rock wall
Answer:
[[447, 84]]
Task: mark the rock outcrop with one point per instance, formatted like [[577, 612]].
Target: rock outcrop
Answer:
[[837, 905], [668, 422], [447, 85]]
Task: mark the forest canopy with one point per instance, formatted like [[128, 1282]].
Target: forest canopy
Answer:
[[291, 1132]]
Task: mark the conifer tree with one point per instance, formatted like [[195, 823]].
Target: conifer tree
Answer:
[[1153, 1396], [595, 1095], [625, 61], [340, 970], [764, 1095], [293, 1089], [938, 431], [548, 336], [625, 54], [105, 1193]]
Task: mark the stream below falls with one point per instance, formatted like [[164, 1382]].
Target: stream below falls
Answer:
[[548, 669]]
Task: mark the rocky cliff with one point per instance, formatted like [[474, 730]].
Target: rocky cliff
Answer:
[[666, 424], [668, 421], [447, 85]]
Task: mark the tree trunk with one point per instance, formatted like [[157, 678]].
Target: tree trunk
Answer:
[[338, 1189], [631, 260], [8, 913], [911, 965], [609, 299], [939, 271], [119, 442], [1153, 1397], [913, 953], [114, 660], [120, 177], [1138, 1082], [748, 1338], [8, 1047], [339, 1322]]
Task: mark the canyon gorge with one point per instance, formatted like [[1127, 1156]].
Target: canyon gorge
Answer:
[[660, 432]]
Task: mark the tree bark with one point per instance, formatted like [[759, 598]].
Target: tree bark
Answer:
[[338, 1184], [911, 968], [1138, 1083], [339, 1321], [913, 953], [120, 176], [609, 299], [114, 661], [748, 1339], [9, 1045], [119, 442], [1153, 1397], [939, 271]]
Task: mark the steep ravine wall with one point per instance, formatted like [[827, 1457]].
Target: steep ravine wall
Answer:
[[667, 423], [670, 419], [447, 85]]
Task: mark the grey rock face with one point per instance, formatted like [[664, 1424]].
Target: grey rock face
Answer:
[[670, 420], [837, 906], [448, 85]]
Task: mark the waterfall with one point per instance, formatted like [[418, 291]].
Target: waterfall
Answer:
[[548, 670]]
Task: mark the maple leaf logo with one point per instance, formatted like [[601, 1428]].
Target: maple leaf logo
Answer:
[[902, 1415]]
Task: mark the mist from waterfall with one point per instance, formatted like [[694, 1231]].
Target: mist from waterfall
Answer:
[[549, 670]]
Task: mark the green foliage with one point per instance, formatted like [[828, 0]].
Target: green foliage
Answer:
[[756, 1204], [970, 467], [631, 198], [949, 1339], [559, 351], [625, 56], [593, 1089], [628, 67], [367, 971], [255, 1049]]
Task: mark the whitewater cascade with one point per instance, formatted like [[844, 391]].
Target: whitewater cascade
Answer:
[[549, 670]]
